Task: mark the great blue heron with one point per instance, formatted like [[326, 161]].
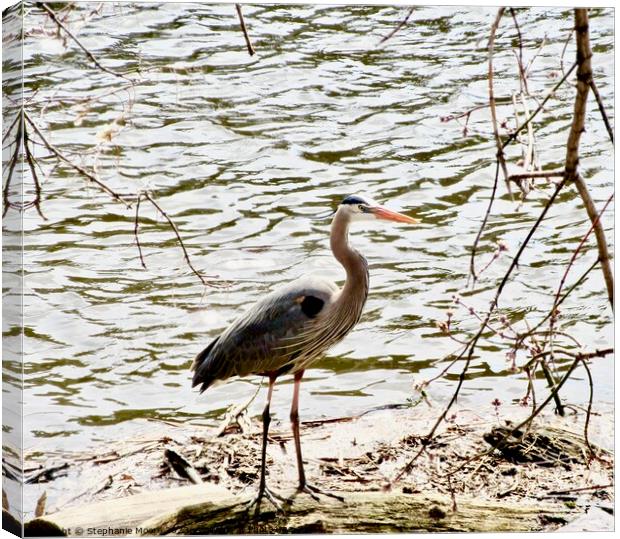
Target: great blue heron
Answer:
[[293, 326]]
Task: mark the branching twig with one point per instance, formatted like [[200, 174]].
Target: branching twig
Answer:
[[81, 170], [577, 251], [514, 135], [90, 55], [577, 283]]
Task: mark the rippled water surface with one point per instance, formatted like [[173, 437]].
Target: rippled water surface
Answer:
[[242, 152]]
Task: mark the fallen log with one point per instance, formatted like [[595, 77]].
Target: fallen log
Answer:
[[121, 514], [208, 509]]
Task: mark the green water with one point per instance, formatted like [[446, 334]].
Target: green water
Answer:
[[242, 152]]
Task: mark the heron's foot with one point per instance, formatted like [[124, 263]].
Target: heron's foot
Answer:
[[315, 492], [276, 500]]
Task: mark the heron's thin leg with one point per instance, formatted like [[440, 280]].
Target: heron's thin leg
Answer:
[[266, 422], [262, 487], [303, 484], [295, 425]]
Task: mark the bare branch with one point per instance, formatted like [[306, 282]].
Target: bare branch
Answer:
[[584, 78], [577, 283]]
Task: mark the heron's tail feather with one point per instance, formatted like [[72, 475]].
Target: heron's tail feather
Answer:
[[200, 366]]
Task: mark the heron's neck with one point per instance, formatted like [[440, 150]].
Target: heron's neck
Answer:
[[356, 286]]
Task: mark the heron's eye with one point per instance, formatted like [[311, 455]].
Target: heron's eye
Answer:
[[361, 207]]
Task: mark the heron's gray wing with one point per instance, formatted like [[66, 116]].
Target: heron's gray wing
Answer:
[[262, 339]]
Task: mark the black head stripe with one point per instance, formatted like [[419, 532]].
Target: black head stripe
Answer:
[[354, 199]]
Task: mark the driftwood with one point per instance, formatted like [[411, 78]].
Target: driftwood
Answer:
[[208, 509], [123, 513]]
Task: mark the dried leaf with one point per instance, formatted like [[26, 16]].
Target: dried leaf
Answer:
[[106, 133]]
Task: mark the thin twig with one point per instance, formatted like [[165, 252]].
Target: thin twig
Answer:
[[578, 250], [560, 301], [522, 72], [589, 410], [515, 261], [135, 230], [537, 174], [248, 43], [178, 235], [474, 248], [554, 307], [398, 28], [564, 49], [500, 150], [601, 108], [531, 62]]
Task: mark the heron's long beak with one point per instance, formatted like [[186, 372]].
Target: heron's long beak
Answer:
[[382, 212]]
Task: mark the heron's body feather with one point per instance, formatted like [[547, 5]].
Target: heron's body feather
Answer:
[[274, 334]]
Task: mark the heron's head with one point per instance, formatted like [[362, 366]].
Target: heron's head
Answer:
[[363, 208]]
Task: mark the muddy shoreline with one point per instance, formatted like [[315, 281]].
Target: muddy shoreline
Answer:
[[348, 454]]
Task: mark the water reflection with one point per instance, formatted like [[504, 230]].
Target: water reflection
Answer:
[[243, 152]]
